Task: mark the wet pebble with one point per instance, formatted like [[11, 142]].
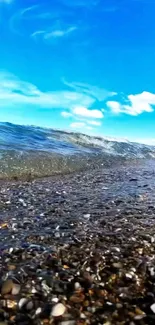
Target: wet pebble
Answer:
[[7, 287], [58, 310], [16, 289]]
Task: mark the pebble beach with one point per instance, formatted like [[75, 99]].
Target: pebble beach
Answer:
[[79, 248]]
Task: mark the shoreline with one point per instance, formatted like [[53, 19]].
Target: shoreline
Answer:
[[109, 163], [81, 246]]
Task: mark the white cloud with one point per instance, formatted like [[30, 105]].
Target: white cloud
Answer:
[[66, 114], [77, 125], [85, 112], [137, 104], [15, 92], [96, 123], [80, 125], [114, 106]]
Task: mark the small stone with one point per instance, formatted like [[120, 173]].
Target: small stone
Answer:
[[87, 216], [29, 305], [7, 287], [58, 310], [83, 316], [128, 275], [22, 302], [16, 289], [57, 234], [119, 306], [77, 286], [139, 317], [153, 308], [77, 298], [38, 311], [55, 299], [117, 265], [11, 267]]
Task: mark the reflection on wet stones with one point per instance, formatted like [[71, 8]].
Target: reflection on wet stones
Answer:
[[75, 253]]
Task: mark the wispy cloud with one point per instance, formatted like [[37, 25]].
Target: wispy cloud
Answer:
[[15, 92], [135, 104], [56, 26], [98, 93], [66, 114], [95, 123], [55, 33], [80, 125], [60, 32], [77, 125]]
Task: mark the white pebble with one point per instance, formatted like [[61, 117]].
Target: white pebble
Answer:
[[22, 302], [83, 316], [58, 310], [33, 290], [38, 311], [77, 285], [139, 317], [153, 308], [87, 216], [129, 275], [55, 299], [22, 201]]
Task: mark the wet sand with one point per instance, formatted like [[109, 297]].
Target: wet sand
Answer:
[[79, 249]]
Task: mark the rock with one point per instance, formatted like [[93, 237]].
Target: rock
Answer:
[[29, 305], [16, 289], [117, 265], [22, 302], [58, 310], [152, 307], [87, 216], [38, 311], [7, 287], [77, 286], [77, 298], [11, 267]]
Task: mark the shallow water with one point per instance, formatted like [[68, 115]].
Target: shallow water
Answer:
[[37, 208], [37, 152]]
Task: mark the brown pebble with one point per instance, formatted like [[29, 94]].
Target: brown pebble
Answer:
[[11, 267], [7, 287], [77, 298]]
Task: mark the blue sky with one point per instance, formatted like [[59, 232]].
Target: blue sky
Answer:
[[82, 65]]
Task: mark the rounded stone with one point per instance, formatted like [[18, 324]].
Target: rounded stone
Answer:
[[7, 287], [16, 289], [22, 302], [58, 310]]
